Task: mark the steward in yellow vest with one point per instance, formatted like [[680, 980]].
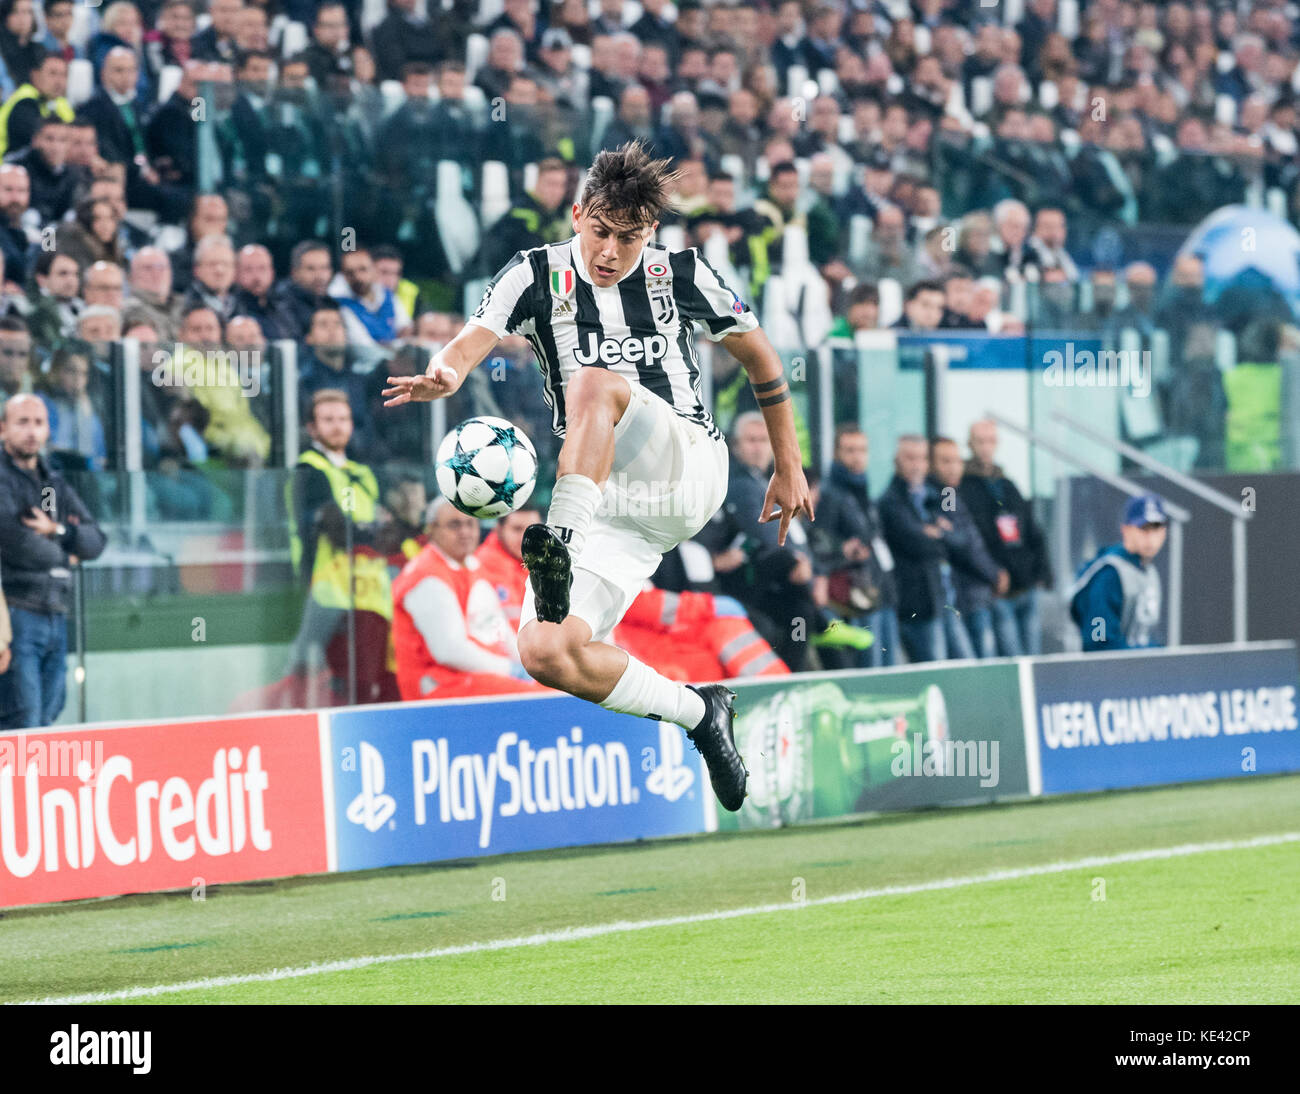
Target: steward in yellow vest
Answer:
[[21, 114]]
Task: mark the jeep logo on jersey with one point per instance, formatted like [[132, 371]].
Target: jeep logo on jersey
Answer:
[[608, 351]]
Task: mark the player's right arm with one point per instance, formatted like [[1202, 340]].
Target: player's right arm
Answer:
[[446, 371], [506, 308]]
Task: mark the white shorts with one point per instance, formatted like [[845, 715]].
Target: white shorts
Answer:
[[668, 479]]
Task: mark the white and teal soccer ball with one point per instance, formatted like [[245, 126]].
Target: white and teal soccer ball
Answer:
[[486, 467]]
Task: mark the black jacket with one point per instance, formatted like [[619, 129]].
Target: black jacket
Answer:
[[297, 305], [918, 557], [736, 523], [34, 568], [974, 573], [53, 192], [1006, 524], [398, 40], [845, 511]]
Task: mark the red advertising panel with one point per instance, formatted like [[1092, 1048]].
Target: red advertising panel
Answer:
[[104, 810]]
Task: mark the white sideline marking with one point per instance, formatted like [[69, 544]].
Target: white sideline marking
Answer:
[[573, 934]]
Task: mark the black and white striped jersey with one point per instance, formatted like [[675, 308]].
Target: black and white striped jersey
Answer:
[[641, 327]]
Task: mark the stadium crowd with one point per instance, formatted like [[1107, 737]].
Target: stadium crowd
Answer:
[[238, 176]]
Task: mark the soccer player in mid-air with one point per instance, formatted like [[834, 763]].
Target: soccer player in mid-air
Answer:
[[642, 468]]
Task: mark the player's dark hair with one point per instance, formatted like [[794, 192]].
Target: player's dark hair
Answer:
[[628, 186]]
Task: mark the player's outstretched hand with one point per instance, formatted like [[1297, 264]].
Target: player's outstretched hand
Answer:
[[437, 383], [787, 497]]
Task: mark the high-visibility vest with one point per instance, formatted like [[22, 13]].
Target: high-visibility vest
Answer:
[[61, 107], [356, 492]]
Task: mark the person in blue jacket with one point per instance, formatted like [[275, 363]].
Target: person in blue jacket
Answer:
[[1115, 600]]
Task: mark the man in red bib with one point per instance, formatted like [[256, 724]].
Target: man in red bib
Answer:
[[450, 633]]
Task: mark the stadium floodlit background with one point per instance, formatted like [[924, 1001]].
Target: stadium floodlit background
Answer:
[[1107, 177]]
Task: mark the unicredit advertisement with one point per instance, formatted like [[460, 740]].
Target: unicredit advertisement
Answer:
[[420, 783], [1108, 721], [103, 811]]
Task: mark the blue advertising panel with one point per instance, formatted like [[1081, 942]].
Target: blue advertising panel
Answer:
[[1116, 720], [431, 781]]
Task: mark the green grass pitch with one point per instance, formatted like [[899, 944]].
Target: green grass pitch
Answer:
[[1202, 926]]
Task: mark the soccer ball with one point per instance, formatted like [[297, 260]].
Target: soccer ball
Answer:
[[486, 467]]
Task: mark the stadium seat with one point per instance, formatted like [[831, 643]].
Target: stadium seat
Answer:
[[804, 168], [530, 177], [488, 10], [891, 301], [294, 39], [581, 55], [734, 166], [1048, 95], [696, 561], [1067, 18], [794, 249], [454, 216], [85, 20], [828, 82], [673, 236], [859, 239], [495, 200], [718, 252], [475, 101], [393, 95], [981, 95], [602, 113], [795, 77], [373, 12], [169, 79], [81, 80], [1225, 109], [476, 55]]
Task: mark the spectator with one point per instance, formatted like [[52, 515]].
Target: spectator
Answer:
[[773, 583], [958, 301], [75, 426], [388, 271], [1048, 243], [306, 290], [20, 50], [323, 365], [404, 36], [92, 237], [863, 312], [15, 245], [974, 245], [244, 333], [976, 578], [916, 530], [58, 28], [52, 182], [776, 210], [371, 313], [101, 326], [854, 554], [44, 529], [542, 215], [52, 305], [214, 278], [254, 281], [450, 633], [923, 307], [633, 121], [16, 377], [229, 383], [1115, 598], [1139, 312], [101, 286], [170, 43], [41, 97], [1005, 520], [151, 300], [327, 55], [6, 639], [505, 60], [888, 255], [1011, 221], [333, 524]]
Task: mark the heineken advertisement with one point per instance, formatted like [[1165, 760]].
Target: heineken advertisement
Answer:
[[845, 743]]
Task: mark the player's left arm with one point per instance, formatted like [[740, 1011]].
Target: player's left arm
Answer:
[[788, 495]]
